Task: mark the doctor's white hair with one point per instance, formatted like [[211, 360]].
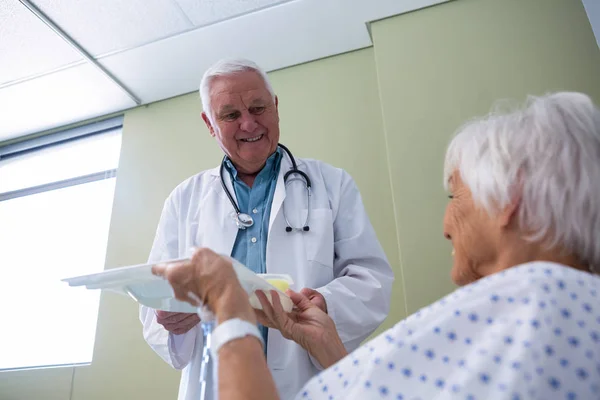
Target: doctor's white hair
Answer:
[[228, 67], [548, 152]]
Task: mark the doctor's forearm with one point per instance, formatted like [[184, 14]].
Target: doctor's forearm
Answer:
[[330, 350], [243, 372]]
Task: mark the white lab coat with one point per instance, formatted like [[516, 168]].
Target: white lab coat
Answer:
[[340, 257]]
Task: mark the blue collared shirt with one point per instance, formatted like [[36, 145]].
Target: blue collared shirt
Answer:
[[250, 247]]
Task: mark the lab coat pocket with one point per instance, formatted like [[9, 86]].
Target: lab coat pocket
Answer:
[[319, 240], [193, 238]]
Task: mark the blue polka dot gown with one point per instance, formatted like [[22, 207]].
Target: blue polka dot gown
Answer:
[[531, 332]]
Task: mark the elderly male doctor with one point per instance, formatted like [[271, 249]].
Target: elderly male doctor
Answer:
[[336, 258]]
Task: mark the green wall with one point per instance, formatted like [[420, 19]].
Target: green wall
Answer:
[[441, 66], [385, 114]]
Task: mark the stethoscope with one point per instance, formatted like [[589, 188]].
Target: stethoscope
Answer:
[[244, 220]]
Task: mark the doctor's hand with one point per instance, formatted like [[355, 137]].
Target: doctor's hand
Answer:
[[306, 325], [209, 279], [176, 322], [316, 298]]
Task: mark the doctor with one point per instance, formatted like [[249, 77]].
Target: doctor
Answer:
[[309, 223]]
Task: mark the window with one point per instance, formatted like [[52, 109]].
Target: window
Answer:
[[56, 195]]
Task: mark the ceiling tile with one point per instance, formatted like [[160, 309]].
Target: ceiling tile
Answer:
[[58, 99], [310, 29], [27, 46], [299, 31], [105, 26], [204, 12]]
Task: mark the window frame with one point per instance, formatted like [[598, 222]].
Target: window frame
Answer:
[[32, 145]]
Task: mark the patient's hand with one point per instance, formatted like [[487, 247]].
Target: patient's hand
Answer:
[[306, 325], [176, 322], [208, 279]]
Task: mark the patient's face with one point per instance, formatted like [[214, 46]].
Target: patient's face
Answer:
[[474, 235]]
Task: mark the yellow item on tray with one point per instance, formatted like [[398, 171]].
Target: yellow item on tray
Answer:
[[280, 284]]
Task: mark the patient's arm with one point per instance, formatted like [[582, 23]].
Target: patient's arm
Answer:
[[210, 279], [243, 371]]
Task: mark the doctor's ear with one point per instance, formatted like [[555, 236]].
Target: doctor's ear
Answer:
[[206, 120]]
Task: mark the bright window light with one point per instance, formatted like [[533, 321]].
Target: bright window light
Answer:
[[45, 237], [64, 161]]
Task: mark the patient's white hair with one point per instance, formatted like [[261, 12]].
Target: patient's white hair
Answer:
[[228, 67], [550, 152]]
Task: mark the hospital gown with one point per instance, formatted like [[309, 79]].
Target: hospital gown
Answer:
[[530, 332]]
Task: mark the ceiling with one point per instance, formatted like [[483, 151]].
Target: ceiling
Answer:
[[64, 61]]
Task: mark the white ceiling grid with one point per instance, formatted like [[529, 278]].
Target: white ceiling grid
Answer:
[[106, 26], [158, 49], [26, 48], [207, 12]]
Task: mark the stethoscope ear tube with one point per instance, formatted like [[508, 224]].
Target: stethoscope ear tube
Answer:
[[305, 226], [297, 172], [231, 199]]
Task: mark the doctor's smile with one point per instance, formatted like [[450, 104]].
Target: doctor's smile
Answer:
[[252, 139]]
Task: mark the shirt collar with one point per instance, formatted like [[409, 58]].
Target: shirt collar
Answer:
[[271, 165]]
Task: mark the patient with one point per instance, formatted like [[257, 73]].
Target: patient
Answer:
[[524, 219]]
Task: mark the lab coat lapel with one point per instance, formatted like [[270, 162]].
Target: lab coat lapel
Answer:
[[220, 237], [279, 195]]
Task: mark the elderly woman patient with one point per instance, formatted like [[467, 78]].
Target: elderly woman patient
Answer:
[[524, 221]]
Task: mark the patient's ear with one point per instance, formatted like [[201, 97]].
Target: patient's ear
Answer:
[[508, 214]]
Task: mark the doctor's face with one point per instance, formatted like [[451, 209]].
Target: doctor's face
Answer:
[[245, 119]]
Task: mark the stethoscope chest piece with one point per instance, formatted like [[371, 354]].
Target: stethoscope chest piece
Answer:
[[243, 221]]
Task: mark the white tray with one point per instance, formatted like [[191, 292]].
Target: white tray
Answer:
[[139, 283]]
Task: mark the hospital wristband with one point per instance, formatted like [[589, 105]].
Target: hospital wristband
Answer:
[[233, 329]]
